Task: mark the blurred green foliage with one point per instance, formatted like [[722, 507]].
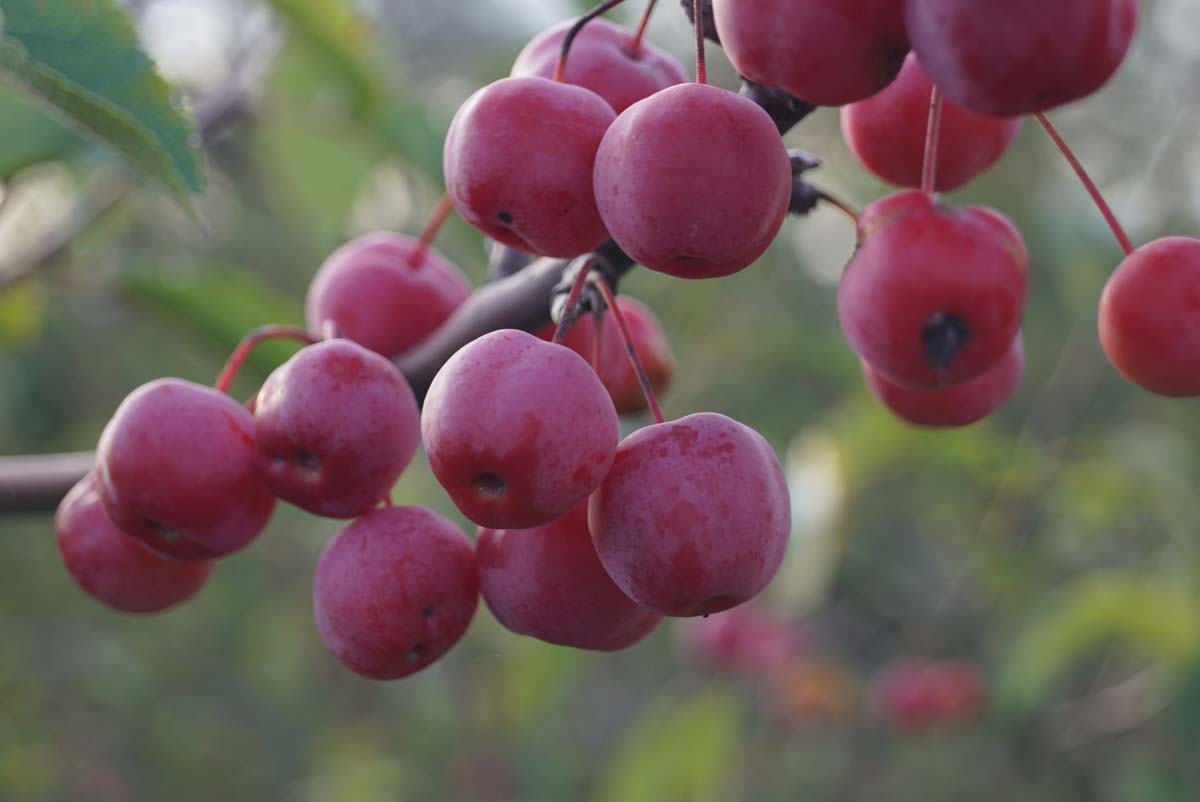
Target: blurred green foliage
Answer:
[[1054, 545]]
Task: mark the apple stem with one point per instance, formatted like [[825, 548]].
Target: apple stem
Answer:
[[701, 73], [428, 234], [840, 204], [598, 341], [560, 68], [635, 47], [933, 132], [1088, 184], [261, 334], [560, 332], [635, 361]]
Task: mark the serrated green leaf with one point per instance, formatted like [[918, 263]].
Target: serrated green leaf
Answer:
[[81, 57], [220, 303]]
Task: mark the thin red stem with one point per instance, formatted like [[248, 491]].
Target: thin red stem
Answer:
[[635, 47], [701, 72], [560, 332], [560, 68], [261, 334], [598, 340], [635, 361], [839, 204], [428, 234], [1088, 184], [933, 132]]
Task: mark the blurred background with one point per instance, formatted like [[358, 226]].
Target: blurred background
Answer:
[[1009, 611]]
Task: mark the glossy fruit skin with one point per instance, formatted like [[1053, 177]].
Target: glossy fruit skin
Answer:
[[960, 405], [176, 469], [694, 516], [394, 591], [886, 133], [335, 426], [600, 60], [518, 162], [1150, 317], [1020, 56], [547, 582], [920, 264], [694, 181], [828, 52], [112, 567], [517, 430], [916, 693], [615, 371], [378, 298]]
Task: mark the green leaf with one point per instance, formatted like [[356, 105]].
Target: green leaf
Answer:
[[220, 303], [340, 39], [28, 135], [81, 57], [1141, 615], [678, 752]]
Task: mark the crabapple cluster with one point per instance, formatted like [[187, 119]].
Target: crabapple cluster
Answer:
[[598, 141]]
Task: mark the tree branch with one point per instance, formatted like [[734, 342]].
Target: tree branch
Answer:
[[517, 300]]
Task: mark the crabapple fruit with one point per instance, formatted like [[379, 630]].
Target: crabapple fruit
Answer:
[[913, 693], [960, 405], [518, 161], [175, 468], [749, 640], [603, 61], [1019, 56], [886, 133], [693, 181], [517, 430], [111, 566], [694, 516], [547, 582], [1150, 317], [828, 52], [394, 591], [335, 426], [378, 294], [615, 370], [933, 296]]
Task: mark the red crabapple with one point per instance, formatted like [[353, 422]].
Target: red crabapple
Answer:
[[933, 295], [1150, 317], [916, 692], [1020, 56], [547, 582], [650, 340], [111, 566], [601, 60], [749, 640], [517, 430], [886, 133], [828, 52], [176, 469], [694, 516], [378, 297], [335, 426], [394, 591], [518, 161], [960, 405], [615, 371], [693, 181]]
